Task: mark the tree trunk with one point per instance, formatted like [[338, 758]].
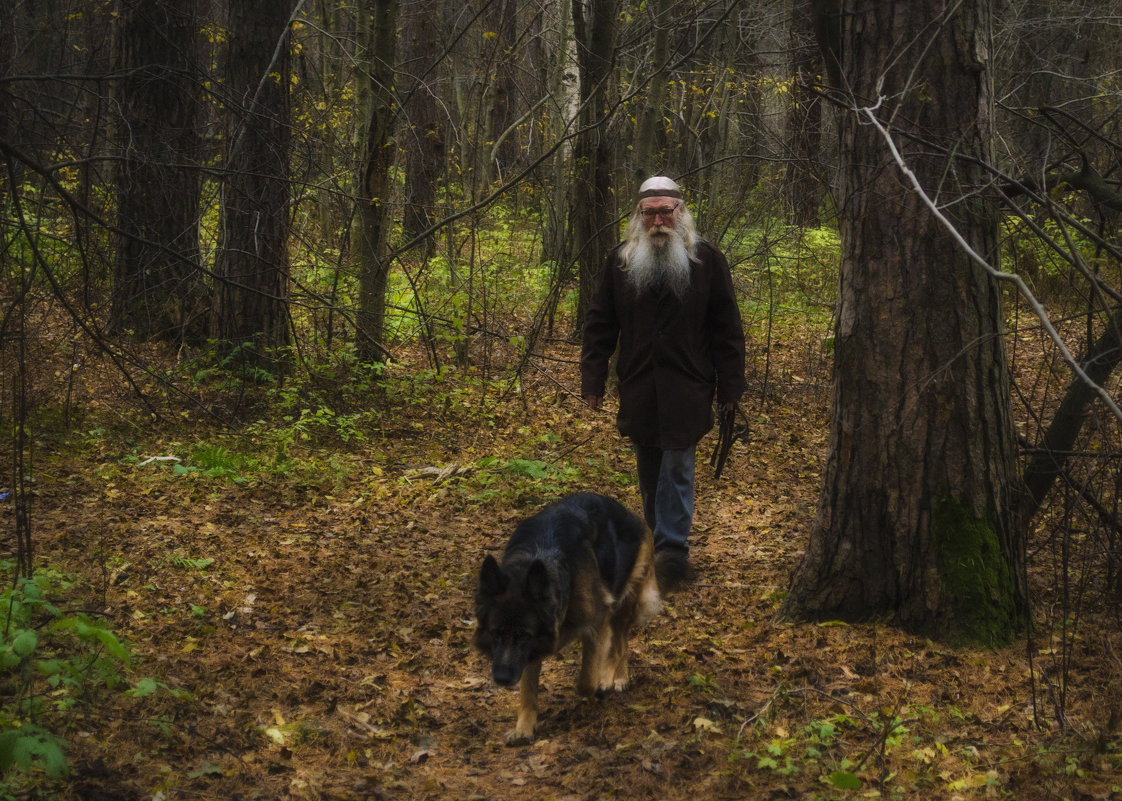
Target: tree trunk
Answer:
[[252, 263], [11, 120], [803, 186], [556, 242], [424, 143], [647, 160], [1053, 454], [916, 515], [375, 115], [500, 154], [157, 287], [591, 207]]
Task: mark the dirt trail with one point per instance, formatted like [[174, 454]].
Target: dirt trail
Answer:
[[325, 652]]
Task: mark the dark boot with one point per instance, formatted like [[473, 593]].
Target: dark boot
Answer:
[[673, 569]]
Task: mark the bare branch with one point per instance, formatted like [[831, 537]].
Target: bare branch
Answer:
[[870, 113]]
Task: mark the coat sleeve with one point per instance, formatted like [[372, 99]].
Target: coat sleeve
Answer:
[[600, 334], [727, 334]]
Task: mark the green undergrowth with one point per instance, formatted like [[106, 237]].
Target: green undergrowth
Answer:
[[391, 431], [57, 665], [841, 746]]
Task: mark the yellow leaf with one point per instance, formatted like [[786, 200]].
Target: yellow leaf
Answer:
[[705, 724]]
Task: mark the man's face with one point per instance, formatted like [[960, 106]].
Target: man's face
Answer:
[[660, 215]]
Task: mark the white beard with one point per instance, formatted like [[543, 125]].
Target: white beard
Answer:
[[658, 261]]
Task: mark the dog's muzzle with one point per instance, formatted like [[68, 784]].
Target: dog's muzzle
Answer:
[[505, 671]]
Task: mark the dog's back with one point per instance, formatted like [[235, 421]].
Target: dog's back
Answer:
[[577, 524]]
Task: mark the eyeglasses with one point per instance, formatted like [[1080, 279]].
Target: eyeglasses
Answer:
[[666, 211]]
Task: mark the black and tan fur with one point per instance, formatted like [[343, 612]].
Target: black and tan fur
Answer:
[[582, 568]]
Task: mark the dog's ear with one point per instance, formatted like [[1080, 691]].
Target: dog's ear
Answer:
[[492, 580], [541, 594], [536, 586]]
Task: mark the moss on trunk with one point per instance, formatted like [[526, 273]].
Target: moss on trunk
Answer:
[[977, 582]]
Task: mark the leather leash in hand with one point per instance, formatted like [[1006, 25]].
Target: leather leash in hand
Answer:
[[727, 434]]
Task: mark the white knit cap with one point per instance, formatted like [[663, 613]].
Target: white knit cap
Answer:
[[659, 186]]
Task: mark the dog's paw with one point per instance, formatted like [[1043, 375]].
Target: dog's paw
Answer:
[[612, 686], [516, 739]]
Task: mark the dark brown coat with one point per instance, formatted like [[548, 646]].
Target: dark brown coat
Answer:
[[674, 355]]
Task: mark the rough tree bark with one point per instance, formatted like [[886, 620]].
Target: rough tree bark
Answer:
[[500, 156], [916, 514], [554, 57], [591, 204], [803, 185], [157, 288], [376, 114], [646, 159], [252, 263], [424, 143]]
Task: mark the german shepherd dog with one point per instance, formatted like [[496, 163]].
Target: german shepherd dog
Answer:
[[582, 567]]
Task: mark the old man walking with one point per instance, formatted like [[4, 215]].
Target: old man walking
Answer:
[[666, 300]]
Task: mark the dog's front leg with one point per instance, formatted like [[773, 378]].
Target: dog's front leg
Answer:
[[617, 663], [595, 671], [523, 731]]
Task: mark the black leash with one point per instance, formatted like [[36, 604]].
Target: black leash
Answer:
[[727, 434]]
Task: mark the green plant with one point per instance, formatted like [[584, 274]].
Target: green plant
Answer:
[[815, 750], [28, 745], [192, 564], [700, 682], [211, 461], [74, 653], [496, 477], [214, 461], [302, 415], [215, 458], [228, 366]]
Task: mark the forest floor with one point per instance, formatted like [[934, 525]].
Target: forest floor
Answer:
[[311, 634]]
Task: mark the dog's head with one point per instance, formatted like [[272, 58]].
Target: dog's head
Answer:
[[516, 620]]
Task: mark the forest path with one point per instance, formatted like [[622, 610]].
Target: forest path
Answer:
[[319, 633]]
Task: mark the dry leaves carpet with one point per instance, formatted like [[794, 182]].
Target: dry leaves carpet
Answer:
[[316, 630]]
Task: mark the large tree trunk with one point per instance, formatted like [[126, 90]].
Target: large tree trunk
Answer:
[[252, 263], [157, 287], [916, 515], [375, 115]]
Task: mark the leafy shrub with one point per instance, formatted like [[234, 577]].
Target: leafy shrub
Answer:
[[74, 653]]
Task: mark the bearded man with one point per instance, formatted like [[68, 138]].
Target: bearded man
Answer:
[[666, 297]]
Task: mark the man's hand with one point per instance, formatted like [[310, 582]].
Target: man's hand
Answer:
[[592, 402]]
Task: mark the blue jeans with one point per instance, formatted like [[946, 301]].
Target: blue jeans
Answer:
[[666, 484]]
